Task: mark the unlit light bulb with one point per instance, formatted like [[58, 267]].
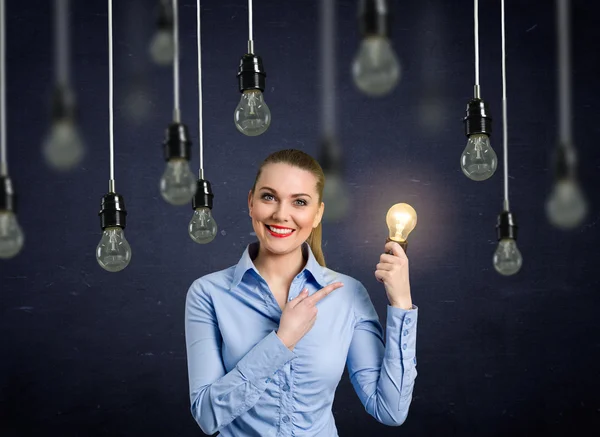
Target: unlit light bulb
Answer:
[[401, 219], [162, 47], [252, 116], [376, 69], [178, 183], [113, 252], [63, 147], [11, 235], [202, 227], [478, 161], [566, 208], [507, 258]]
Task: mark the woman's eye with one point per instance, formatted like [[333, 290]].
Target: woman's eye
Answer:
[[267, 196], [301, 202]]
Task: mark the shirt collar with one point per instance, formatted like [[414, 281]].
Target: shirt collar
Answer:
[[245, 263]]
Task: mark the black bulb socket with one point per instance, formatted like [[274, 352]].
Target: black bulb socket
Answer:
[[565, 162], [8, 197], [112, 212], [251, 74], [63, 103], [177, 143], [204, 195], [507, 226], [165, 16], [374, 18], [330, 156], [478, 119], [403, 244]]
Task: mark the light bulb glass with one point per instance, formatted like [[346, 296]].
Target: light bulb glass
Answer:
[[162, 47], [401, 219], [252, 116], [376, 69], [478, 161], [202, 227], [507, 258], [113, 252], [566, 208], [11, 235], [335, 197], [63, 148], [178, 183]]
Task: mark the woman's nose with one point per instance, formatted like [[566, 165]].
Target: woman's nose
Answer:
[[281, 212]]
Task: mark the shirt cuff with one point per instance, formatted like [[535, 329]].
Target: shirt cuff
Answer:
[[263, 360], [401, 332]]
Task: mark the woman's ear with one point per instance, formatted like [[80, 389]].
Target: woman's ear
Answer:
[[319, 215], [250, 203]]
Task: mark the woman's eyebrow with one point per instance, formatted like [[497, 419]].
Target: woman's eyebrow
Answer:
[[293, 195]]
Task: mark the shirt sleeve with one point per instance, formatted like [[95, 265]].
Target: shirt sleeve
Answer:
[[383, 374], [217, 397]]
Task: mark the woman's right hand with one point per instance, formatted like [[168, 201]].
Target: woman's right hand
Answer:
[[300, 313]]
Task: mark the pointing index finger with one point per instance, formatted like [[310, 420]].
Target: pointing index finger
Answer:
[[317, 296]]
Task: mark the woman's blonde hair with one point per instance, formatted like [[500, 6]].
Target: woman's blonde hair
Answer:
[[304, 161]]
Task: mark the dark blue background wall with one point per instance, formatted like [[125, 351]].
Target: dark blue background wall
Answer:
[[85, 352]]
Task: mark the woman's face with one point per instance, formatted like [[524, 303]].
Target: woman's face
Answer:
[[285, 207]]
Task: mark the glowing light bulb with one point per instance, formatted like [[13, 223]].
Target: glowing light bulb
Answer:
[[63, 147], [335, 197], [11, 235], [113, 252], [478, 161], [202, 227], [376, 69], [178, 183], [401, 219], [252, 116], [507, 258], [162, 47], [566, 207]]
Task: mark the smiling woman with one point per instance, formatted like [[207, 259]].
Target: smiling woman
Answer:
[[260, 362]]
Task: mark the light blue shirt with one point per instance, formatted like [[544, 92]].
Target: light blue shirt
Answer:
[[244, 382]]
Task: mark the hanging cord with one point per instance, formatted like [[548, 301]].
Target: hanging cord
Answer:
[[328, 67], [200, 136], [504, 113], [564, 73], [250, 31], [61, 43], [176, 110], [476, 21], [111, 183], [3, 161]]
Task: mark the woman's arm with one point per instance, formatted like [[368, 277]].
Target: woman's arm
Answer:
[[217, 397], [383, 374]]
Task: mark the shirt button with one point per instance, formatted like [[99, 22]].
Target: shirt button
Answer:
[[286, 419], [415, 361], [404, 347], [268, 380], [405, 332], [407, 321], [286, 387]]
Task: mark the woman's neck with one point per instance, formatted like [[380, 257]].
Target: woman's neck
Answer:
[[279, 268]]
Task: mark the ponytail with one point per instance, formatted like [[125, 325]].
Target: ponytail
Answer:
[[314, 241]]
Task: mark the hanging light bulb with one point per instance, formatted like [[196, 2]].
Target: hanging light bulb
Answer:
[[203, 227], [376, 69], [335, 195], [252, 116], [113, 253], [507, 257], [11, 234], [401, 219], [178, 184], [63, 147], [478, 160], [162, 44]]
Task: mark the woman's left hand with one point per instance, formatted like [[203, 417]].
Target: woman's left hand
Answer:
[[392, 270]]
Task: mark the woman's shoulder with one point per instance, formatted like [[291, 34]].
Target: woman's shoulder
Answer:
[[330, 276], [214, 280]]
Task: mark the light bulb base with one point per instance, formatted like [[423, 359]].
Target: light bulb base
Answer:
[[112, 211], [177, 143], [204, 195], [63, 103], [374, 18], [478, 119], [165, 16], [507, 226], [8, 197], [251, 73], [330, 156], [565, 162], [403, 244]]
